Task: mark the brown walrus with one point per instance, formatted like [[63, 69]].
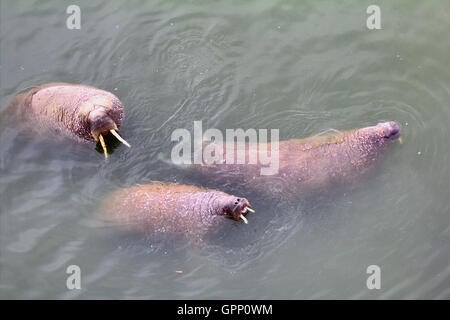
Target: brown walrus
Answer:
[[81, 112], [172, 208], [304, 165]]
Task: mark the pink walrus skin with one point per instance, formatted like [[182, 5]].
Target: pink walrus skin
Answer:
[[305, 166], [81, 112], [169, 208]]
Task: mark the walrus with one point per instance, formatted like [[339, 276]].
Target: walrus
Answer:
[[171, 208], [82, 112], [305, 166]]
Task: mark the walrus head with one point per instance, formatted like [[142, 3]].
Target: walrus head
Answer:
[[382, 132], [389, 130], [237, 208], [101, 123]]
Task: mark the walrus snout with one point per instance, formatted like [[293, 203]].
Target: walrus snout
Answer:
[[238, 208], [391, 130], [101, 124]]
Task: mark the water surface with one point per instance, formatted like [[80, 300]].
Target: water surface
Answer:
[[301, 66]]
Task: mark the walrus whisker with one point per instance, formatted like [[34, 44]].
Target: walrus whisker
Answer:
[[251, 210], [243, 218], [102, 142], [115, 134]]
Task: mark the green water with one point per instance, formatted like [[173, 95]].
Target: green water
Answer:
[[301, 66]]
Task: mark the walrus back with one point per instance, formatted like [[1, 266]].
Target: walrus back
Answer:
[[304, 166], [165, 208], [63, 109]]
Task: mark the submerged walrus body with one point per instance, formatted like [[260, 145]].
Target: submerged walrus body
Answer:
[[80, 112], [306, 165], [170, 208]]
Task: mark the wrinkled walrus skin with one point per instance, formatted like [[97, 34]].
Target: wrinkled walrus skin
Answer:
[[170, 208], [83, 113], [309, 165]]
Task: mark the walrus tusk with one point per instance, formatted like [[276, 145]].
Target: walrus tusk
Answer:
[[102, 142], [251, 210], [400, 140], [115, 134], [243, 218]]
